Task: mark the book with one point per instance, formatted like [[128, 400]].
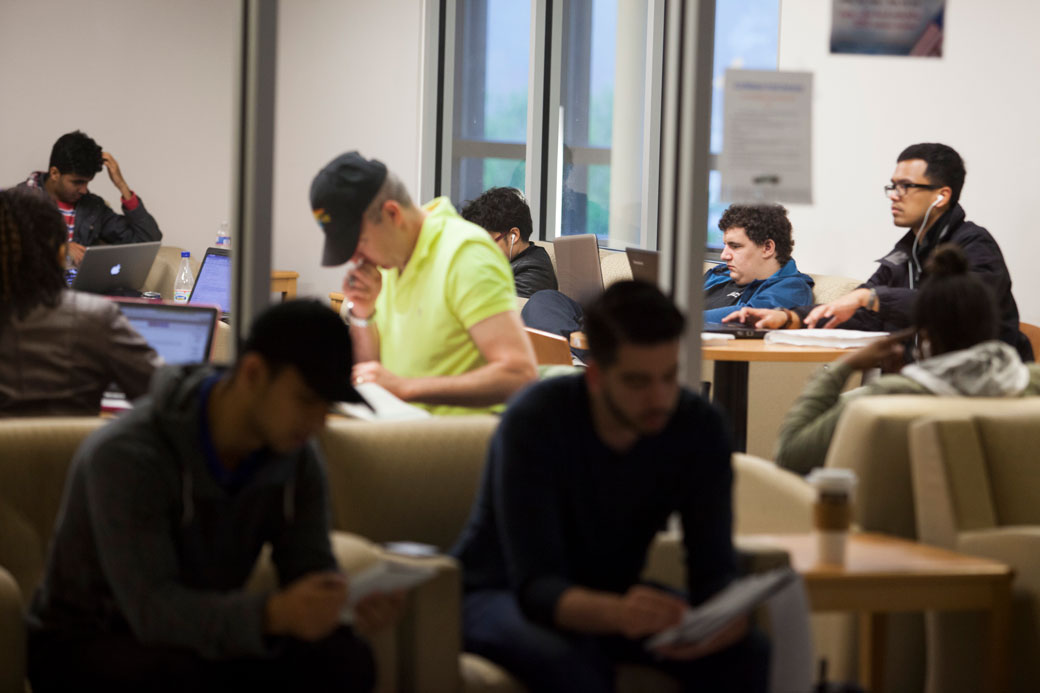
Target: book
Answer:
[[835, 338], [738, 598]]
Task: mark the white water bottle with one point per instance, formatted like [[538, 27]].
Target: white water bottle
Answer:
[[223, 237], [184, 281]]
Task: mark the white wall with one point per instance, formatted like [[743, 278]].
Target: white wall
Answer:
[[980, 98], [155, 83], [348, 78], [152, 81]]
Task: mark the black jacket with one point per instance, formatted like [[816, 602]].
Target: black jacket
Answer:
[[533, 271], [892, 280], [97, 223]]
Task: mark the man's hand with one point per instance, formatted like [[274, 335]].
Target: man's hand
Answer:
[[116, 175], [75, 251], [838, 311], [731, 633], [373, 372], [645, 610], [308, 608], [361, 286], [886, 353], [763, 318], [378, 611]]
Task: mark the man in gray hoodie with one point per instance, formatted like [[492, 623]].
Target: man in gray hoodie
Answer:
[[165, 513]]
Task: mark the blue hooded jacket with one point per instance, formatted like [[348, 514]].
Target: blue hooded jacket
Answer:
[[785, 288]]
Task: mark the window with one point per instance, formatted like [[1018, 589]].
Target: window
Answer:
[[747, 36], [489, 143], [561, 99]]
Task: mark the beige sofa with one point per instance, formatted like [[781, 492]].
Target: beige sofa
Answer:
[[977, 490], [412, 481], [36, 455]]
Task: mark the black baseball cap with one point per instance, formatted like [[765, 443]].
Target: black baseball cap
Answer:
[[340, 194], [311, 337]]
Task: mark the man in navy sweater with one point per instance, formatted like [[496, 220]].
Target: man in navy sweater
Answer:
[[569, 505]]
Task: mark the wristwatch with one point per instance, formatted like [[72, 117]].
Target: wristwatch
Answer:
[[354, 320], [873, 300]]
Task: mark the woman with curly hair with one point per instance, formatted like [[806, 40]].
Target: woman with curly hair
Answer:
[[59, 349]]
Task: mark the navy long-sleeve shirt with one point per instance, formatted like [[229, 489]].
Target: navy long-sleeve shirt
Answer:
[[558, 509]]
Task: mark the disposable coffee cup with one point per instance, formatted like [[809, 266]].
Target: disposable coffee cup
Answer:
[[832, 512]]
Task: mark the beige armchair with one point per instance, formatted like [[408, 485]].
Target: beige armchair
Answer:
[[976, 480]]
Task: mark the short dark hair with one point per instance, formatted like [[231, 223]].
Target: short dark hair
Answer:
[[954, 306], [945, 165], [499, 209], [74, 152], [762, 223], [630, 312], [31, 234]]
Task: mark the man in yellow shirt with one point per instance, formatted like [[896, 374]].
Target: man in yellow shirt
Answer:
[[431, 302]]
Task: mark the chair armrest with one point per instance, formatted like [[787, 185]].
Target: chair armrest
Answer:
[[1018, 546], [12, 636], [422, 652]]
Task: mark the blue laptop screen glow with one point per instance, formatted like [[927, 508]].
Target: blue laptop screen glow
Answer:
[[213, 285], [179, 335]]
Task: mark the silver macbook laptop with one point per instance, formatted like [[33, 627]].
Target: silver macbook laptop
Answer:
[[577, 267], [643, 264], [108, 269], [180, 333], [213, 285]]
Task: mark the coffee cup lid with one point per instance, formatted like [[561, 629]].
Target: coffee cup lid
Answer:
[[832, 480]]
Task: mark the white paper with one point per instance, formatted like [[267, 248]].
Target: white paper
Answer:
[[836, 338], [716, 337], [384, 576], [385, 406], [767, 137], [737, 598]]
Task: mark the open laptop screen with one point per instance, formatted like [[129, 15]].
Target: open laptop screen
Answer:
[[213, 285], [180, 333]]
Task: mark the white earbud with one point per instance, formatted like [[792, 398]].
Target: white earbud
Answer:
[[512, 239], [938, 199]]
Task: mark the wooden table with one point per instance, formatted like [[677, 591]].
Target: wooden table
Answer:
[[284, 282], [731, 373], [884, 574]]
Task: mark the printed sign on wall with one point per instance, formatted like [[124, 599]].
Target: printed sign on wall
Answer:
[[767, 137], [888, 27]]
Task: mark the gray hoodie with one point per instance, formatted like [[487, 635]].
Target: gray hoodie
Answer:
[[148, 541]]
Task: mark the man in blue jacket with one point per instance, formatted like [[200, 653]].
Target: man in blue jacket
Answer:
[[759, 272]]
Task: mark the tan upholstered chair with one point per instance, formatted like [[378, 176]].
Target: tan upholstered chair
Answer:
[[976, 480], [34, 459]]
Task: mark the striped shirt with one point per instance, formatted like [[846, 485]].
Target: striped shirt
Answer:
[[68, 213]]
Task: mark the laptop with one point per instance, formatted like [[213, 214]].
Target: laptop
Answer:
[[181, 333], [577, 267], [115, 269], [643, 264], [738, 329], [213, 285]]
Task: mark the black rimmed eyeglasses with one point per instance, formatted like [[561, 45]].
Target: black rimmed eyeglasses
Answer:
[[901, 188]]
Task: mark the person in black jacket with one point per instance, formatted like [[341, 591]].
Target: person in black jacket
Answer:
[[924, 191], [75, 160], [506, 216]]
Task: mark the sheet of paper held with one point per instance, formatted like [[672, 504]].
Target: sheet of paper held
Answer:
[[739, 597], [384, 576]]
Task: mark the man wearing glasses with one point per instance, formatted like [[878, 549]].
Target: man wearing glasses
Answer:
[[924, 193]]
